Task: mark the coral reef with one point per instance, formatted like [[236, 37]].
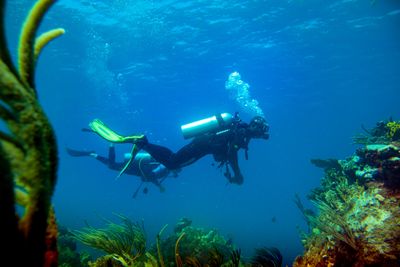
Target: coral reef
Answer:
[[187, 246], [358, 223], [28, 150], [384, 132]]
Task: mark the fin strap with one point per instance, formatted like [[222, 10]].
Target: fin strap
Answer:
[[134, 151]]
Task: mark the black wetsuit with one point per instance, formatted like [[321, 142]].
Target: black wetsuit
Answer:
[[223, 146]]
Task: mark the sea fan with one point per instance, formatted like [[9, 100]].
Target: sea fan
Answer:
[[267, 257]]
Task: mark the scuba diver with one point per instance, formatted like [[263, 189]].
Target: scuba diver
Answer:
[[222, 136], [143, 166]]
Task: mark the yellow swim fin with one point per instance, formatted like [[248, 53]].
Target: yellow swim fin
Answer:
[[105, 132]]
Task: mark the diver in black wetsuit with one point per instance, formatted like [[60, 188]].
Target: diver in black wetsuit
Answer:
[[143, 165], [223, 145]]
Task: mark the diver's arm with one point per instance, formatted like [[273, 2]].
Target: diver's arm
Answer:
[[159, 185], [160, 171], [233, 162], [157, 175]]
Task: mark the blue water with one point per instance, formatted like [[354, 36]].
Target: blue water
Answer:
[[318, 69]]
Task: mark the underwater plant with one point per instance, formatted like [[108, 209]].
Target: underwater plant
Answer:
[[159, 252], [188, 247], [267, 257], [192, 244], [123, 243], [235, 257], [358, 223], [28, 150]]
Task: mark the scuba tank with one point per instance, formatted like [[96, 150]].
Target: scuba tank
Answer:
[[139, 156], [212, 124]]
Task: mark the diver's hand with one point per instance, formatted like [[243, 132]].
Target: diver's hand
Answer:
[[237, 179], [228, 175]]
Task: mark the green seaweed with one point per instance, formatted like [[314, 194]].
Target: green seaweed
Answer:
[[124, 243], [189, 246], [28, 150]]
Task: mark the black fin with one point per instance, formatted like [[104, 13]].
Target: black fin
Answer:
[[78, 153]]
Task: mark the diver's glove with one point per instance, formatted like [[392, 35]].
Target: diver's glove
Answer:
[[228, 175], [237, 179]]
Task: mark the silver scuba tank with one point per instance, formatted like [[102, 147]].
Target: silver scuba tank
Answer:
[[212, 124], [139, 156]]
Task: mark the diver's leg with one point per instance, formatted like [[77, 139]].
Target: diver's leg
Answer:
[[93, 154], [190, 153], [111, 157], [185, 156], [102, 159], [110, 160], [78, 153], [159, 153]]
